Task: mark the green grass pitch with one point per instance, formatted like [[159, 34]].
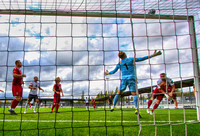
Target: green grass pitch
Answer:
[[82, 122]]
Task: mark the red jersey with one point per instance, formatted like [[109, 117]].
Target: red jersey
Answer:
[[57, 87], [93, 101], [18, 80]]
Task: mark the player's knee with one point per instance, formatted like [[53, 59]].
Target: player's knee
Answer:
[[158, 102]]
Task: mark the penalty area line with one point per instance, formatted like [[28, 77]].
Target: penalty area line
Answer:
[[92, 121]]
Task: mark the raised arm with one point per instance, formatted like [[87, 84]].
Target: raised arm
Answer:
[[113, 71], [156, 53]]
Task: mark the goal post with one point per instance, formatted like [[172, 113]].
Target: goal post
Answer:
[[195, 65], [93, 14]]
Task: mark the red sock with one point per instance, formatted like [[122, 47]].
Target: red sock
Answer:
[[57, 106], [14, 104], [149, 104], [53, 106], [155, 107], [30, 105]]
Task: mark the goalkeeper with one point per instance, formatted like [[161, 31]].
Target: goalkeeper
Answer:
[[126, 65]]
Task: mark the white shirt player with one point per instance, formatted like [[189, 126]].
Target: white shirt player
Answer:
[[86, 100], [169, 82], [34, 84]]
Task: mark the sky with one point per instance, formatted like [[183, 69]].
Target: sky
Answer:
[[80, 49]]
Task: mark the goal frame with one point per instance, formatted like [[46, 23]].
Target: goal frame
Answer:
[[190, 20]]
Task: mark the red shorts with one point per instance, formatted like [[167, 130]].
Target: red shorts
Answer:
[[94, 105], [17, 90], [157, 93], [56, 99]]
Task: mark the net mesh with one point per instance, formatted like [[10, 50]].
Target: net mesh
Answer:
[[78, 40]]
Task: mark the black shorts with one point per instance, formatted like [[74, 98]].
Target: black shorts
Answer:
[[30, 97], [87, 104]]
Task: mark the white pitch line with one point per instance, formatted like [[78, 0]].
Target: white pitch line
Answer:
[[91, 121]]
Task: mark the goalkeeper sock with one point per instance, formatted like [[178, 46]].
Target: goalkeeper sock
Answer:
[[135, 100], [149, 104], [155, 107], [116, 99]]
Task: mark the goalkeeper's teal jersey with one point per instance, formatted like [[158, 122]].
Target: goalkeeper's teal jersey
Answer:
[[127, 67]]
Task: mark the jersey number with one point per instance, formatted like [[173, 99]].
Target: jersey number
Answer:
[[126, 66]]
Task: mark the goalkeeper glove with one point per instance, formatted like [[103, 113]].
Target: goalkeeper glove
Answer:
[[156, 53], [107, 72]]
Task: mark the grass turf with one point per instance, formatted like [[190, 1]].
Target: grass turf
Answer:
[[82, 122]]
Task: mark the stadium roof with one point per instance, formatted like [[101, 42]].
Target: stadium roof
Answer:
[[178, 84]]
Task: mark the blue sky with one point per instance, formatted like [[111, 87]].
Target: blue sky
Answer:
[[80, 49]]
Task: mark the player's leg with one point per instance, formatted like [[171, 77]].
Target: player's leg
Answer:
[[14, 104], [17, 92], [27, 103], [36, 100], [132, 88], [26, 106], [150, 102], [117, 96], [54, 104], [175, 101], [30, 105], [159, 99], [153, 96], [57, 107], [58, 104]]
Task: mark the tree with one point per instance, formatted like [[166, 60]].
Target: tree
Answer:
[[106, 93]]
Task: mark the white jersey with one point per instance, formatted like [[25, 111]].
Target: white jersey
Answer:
[[86, 100], [34, 84], [169, 82]]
